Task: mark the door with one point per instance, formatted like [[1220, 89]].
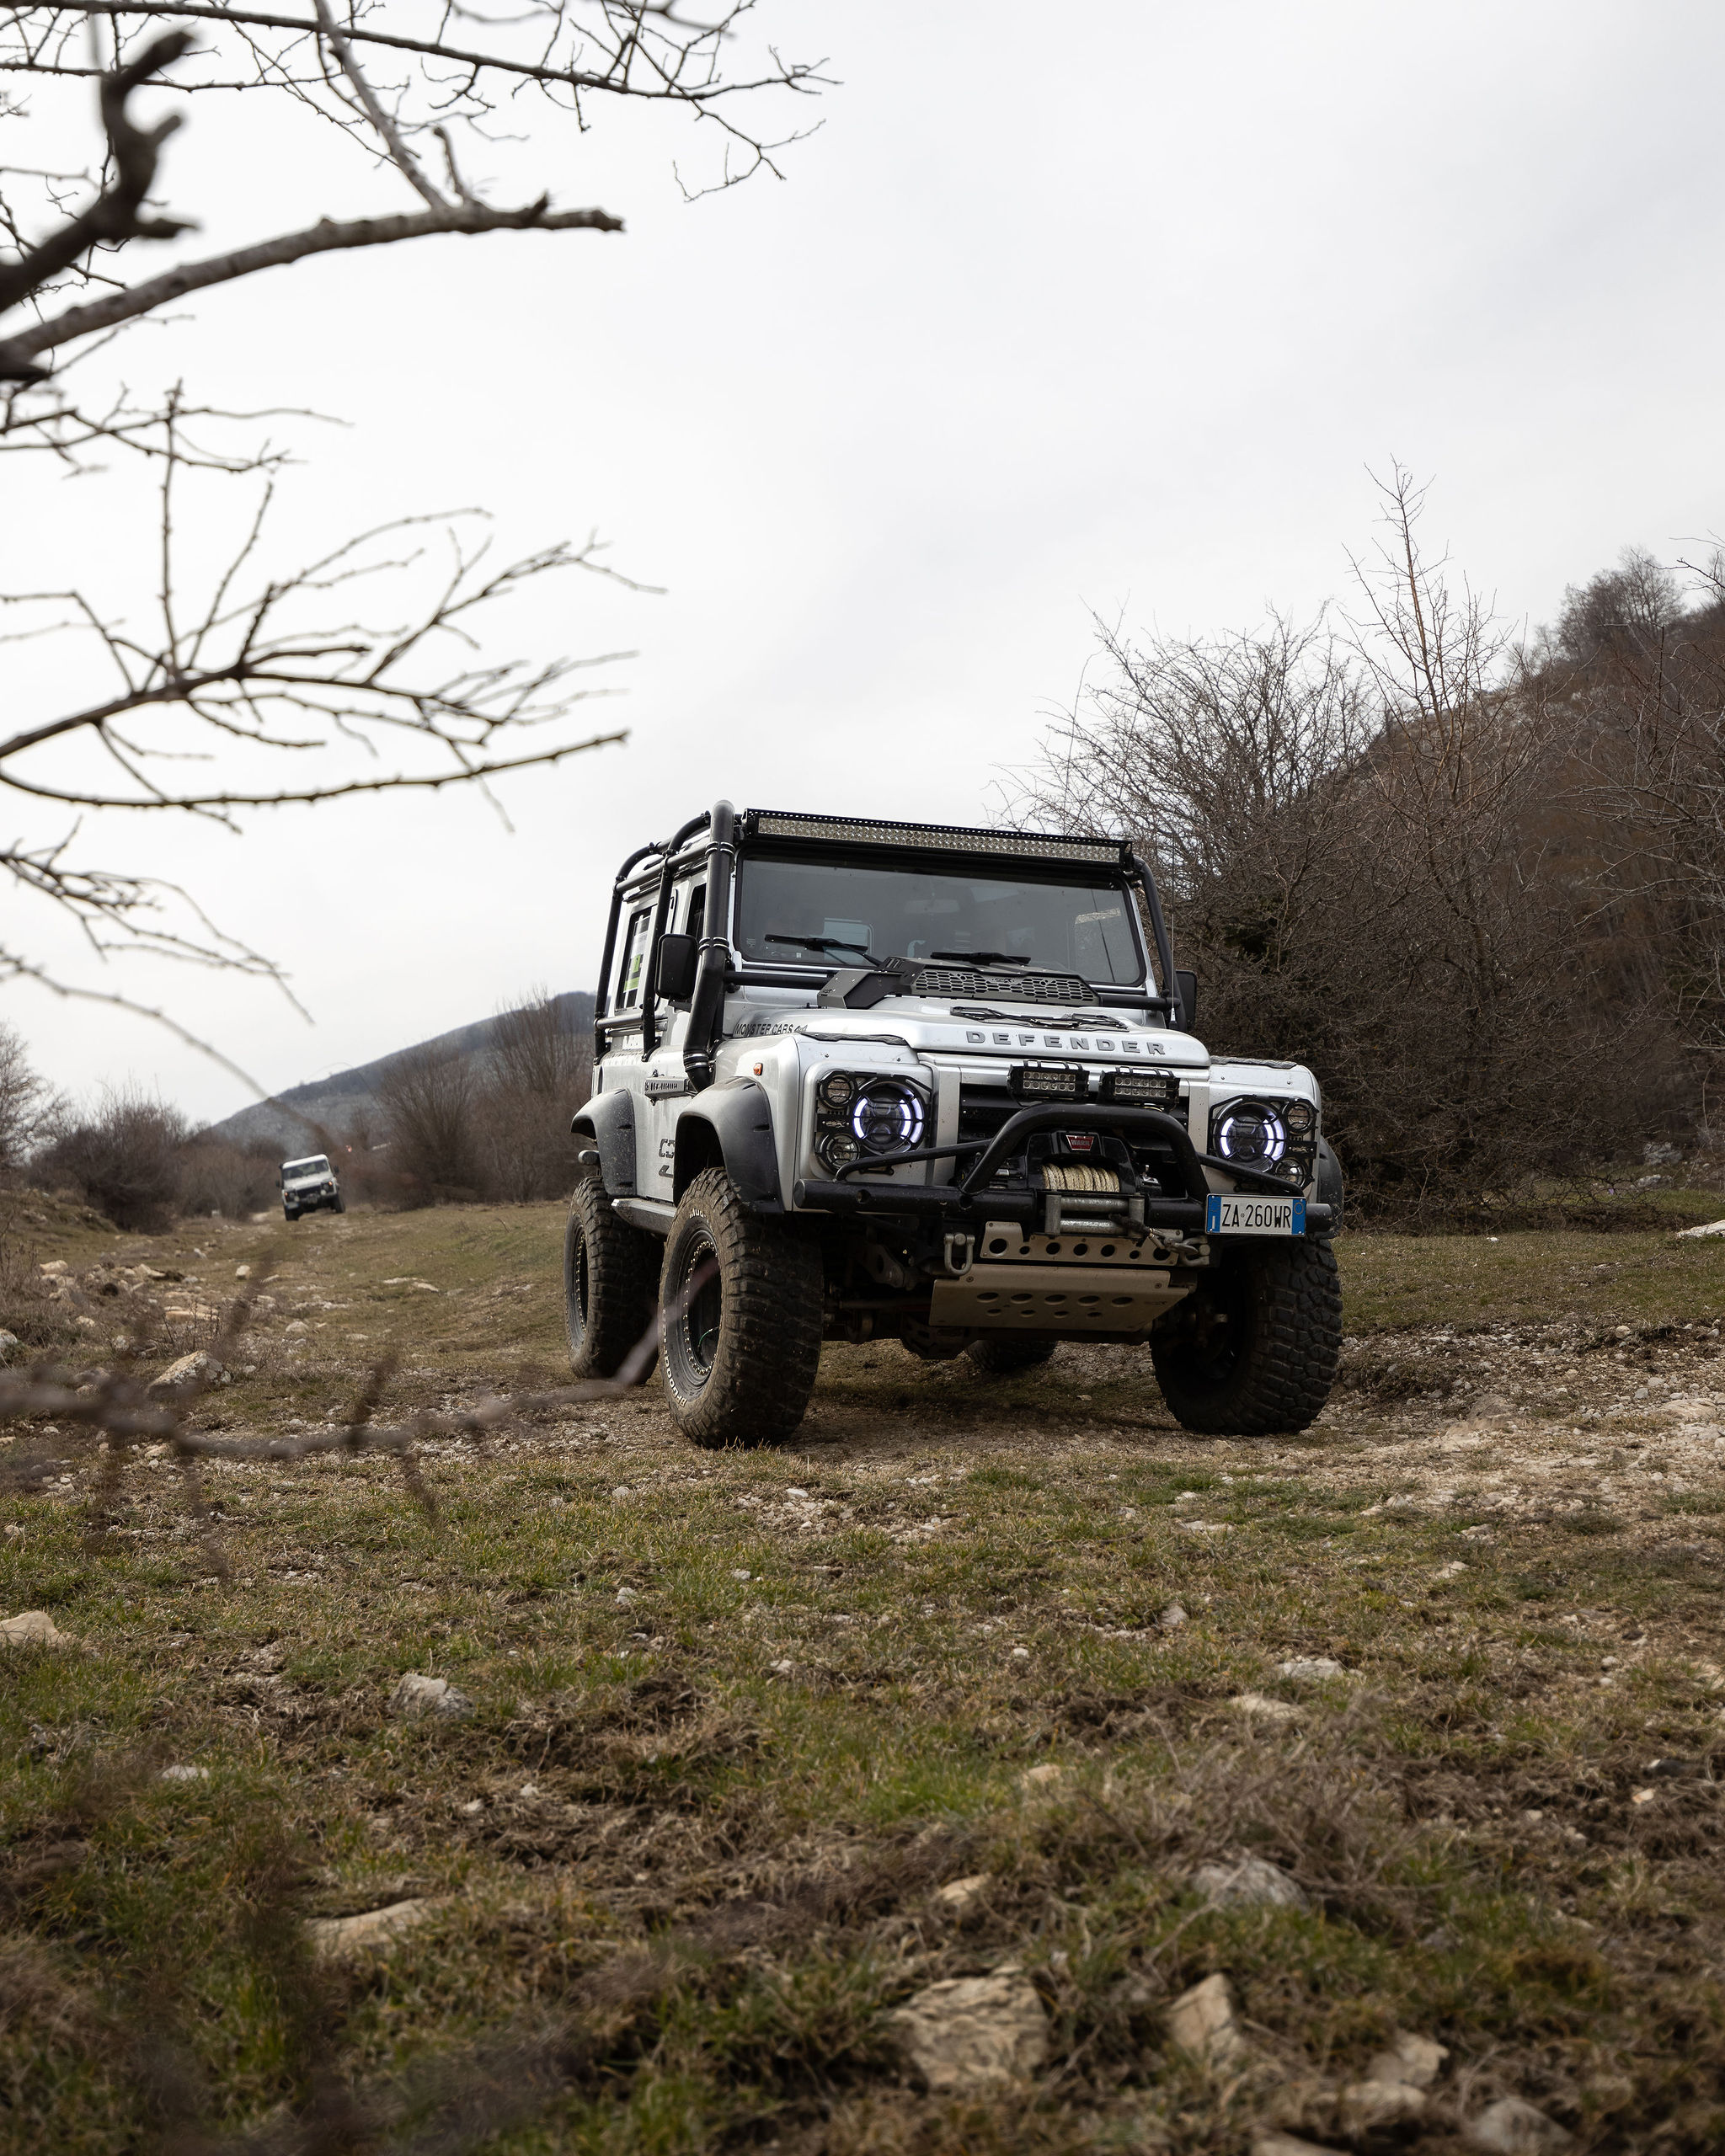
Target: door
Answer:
[[667, 1084]]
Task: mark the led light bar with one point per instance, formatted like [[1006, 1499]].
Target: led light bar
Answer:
[[937, 838], [1141, 1089], [1048, 1082]]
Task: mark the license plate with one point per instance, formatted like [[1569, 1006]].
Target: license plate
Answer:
[[1240, 1215]]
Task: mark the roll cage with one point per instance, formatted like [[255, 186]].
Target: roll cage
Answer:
[[650, 873]]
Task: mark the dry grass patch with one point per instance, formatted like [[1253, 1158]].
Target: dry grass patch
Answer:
[[738, 1719]]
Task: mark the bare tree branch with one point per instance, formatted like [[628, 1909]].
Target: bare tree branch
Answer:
[[114, 218], [322, 238]]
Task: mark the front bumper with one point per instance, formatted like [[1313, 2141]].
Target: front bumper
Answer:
[[963, 1205]]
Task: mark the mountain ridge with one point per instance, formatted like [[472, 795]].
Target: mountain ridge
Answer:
[[296, 1119]]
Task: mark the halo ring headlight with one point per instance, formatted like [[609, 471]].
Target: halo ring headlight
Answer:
[[886, 1116], [1252, 1133]]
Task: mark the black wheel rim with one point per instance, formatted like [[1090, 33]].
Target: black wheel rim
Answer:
[[1213, 1334], [702, 1301]]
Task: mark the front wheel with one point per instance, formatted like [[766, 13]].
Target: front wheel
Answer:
[[1252, 1351], [336, 1205], [739, 1319], [607, 1282], [288, 1213]]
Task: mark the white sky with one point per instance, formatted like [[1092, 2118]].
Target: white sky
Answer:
[[1108, 309]]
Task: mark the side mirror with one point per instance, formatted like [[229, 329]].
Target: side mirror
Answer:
[[674, 976], [1186, 986]]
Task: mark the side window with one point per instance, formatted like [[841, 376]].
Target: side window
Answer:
[[698, 912], [634, 958]]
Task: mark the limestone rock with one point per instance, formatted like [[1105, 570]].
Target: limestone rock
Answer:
[[1367, 2106], [974, 2032], [1202, 2021], [1286, 2145], [189, 1375], [1415, 2062], [1247, 1882], [417, 1694], [184, 1774], [959, 1895], [338, 1939], [1510, 2127], [1311, 1669], [34, 1628], [1172, 1618], [1263, 1709], [9, 1344], [1694, 1235]]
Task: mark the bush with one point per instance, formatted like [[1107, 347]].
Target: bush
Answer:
[[494, 1123], [127, 1160], [219, 1177]]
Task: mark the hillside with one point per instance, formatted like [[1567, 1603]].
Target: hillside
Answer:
[[291, 1120]]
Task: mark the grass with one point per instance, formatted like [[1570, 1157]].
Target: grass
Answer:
[[737, 1718]]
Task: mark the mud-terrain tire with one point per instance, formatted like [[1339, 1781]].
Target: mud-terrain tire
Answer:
[[1252, 1351], [1004, 1354], [338, 1205], [288, 1213], [609, 1270], [739, 1319]]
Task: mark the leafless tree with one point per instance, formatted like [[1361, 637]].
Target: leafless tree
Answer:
[[1636, 673], [428, 1097], [542, 1073], [269, 662], [1362, 835], [25, 1101]]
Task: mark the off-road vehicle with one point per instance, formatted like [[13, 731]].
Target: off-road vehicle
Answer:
[[857, 1079], [309, 1186]]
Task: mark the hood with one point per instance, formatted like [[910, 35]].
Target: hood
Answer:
[[931, 1028]]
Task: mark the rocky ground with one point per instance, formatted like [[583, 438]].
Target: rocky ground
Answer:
[[998, 1768]]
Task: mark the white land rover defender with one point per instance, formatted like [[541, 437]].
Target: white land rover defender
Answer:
[[857, 1080], [309, 1186]]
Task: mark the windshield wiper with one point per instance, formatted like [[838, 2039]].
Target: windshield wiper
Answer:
[[826, 943], [984, 957]]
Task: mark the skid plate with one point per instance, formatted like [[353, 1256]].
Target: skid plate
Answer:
[[1054, 1297]]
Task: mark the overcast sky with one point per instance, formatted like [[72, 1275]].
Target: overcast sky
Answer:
[[1059, 313]]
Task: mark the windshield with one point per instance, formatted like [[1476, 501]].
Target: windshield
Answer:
[[317, 1166], [842, 913]]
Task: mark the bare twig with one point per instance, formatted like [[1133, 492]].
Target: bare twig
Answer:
[[115, 216]]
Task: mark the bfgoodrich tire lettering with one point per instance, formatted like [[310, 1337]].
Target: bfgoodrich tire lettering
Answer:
[[1252, 1351], [608, 1270], [739, 1311]]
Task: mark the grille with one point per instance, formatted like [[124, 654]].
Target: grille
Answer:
[[1010, 988], [982, 1109]]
